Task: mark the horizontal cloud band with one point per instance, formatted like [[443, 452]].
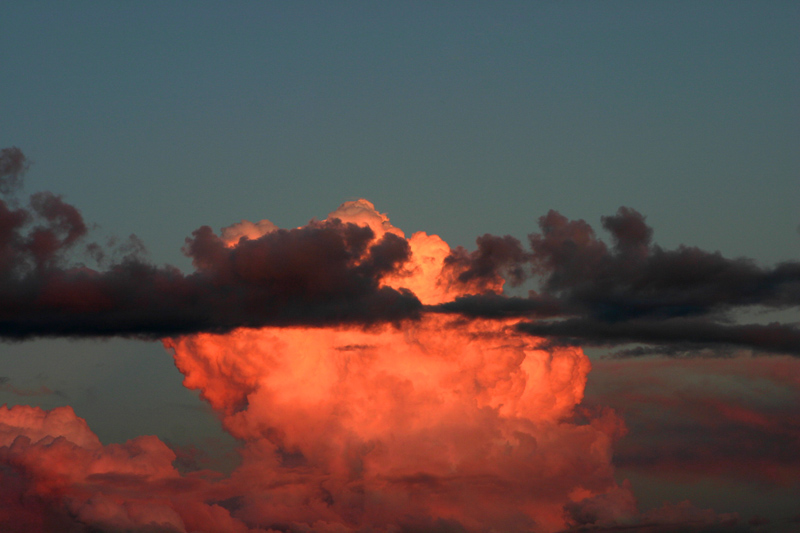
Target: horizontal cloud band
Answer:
[[346, 270]]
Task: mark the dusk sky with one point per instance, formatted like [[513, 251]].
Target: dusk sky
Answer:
[[619, 350]]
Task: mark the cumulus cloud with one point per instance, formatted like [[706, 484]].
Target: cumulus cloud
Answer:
[[439, 425], [375, 382], [442, 425], [56, 476], [388, 429]]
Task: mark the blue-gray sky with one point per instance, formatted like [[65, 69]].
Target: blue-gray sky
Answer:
[[459, 118], [454, 118]]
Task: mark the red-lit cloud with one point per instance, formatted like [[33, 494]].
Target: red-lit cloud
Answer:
[[56, 476], [436, 424], [375, 382]]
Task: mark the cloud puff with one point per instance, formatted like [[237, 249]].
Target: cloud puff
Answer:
[[56, 476]]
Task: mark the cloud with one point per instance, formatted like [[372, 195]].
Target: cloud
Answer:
[[56, 476], [705, 418], [327, 272], [436, 425], [376, 382], [631, 292], [441, 425], [683, 333], [356, 268], [682, 517], [494, 305], [636, 279], [496, 259]]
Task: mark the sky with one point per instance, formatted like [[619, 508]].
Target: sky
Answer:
[[597, 330]]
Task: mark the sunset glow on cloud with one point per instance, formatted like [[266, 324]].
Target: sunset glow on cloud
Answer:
[[436, 422], [374, 381], [400, 267]]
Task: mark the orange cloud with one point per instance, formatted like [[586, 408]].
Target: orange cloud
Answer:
[[438, 421]]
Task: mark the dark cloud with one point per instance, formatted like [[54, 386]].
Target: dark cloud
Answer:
[[493, 305], [496, 258], [636, 279], [324, 273], [687, 333], [330, 272], [633, 291]]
